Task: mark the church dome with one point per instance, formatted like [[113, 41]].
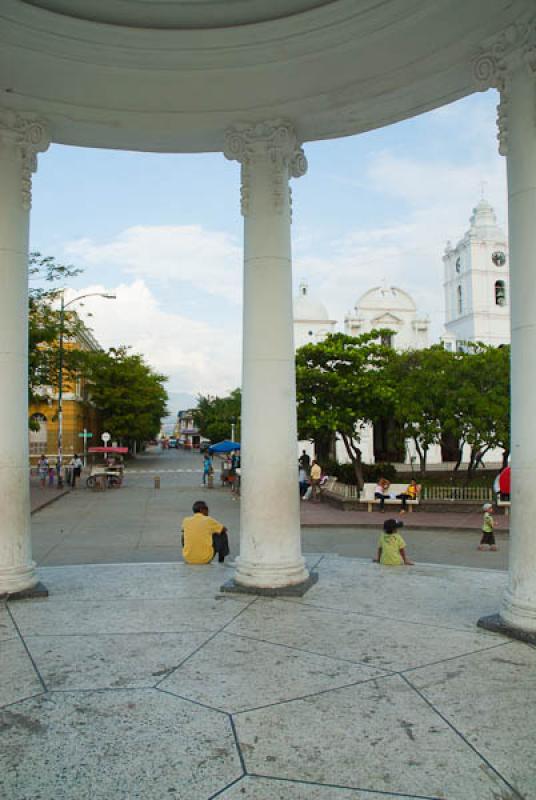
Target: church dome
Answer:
[[306, 309], [386, 298]]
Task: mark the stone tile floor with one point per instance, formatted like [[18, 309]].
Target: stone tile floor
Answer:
[[144, 681]]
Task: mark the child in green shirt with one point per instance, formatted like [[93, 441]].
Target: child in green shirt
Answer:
[[488, 524], [392, 547]]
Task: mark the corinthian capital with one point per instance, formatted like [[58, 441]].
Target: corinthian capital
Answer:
[[29, 137], [272, 142], [514, 47]]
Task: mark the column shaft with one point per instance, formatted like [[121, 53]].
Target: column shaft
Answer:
[[270, 541], [19, 140], [16, 567], [519, 607]]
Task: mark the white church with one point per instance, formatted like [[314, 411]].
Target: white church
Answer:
[[477, 308]]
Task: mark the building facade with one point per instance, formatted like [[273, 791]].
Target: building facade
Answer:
[[476, 283], [79, 414]]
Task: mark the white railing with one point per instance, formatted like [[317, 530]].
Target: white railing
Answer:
[[478, 494]]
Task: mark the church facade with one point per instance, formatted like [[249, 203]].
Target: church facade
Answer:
[[477, 309]]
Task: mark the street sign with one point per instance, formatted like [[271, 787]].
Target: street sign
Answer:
[[85, 435], [105, 437]]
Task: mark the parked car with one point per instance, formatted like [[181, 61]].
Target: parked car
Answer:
[[172, 442]]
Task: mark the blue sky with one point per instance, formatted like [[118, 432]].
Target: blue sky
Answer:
[[164, 232]]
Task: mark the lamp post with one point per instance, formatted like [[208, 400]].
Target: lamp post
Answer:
[[63, 306]]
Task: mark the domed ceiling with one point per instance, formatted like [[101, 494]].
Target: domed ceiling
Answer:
[[177, 13], [173, 75]]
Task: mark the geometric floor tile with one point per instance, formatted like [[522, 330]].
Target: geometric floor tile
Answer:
[[375, 684], [121, 744], [130, 615], [7, 628], [490, 697], [379, 642], [438, 595], [250, 788], [18, 678], [232, 673], [385, 738], [99, 661]]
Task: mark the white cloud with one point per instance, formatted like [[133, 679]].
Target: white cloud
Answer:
[[435, 200], [209, 261], [196, 356]]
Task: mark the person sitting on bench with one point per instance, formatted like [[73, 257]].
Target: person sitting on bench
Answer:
[[203, 537]]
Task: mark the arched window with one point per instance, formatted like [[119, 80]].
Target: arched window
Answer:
[[38, 438], [500, 293], [460, 299]]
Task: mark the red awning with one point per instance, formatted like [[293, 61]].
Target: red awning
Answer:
[[107, 449]]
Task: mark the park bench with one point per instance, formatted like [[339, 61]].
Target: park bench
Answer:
[[367, 496], [502, 504]]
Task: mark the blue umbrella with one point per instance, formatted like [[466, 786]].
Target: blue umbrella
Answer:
[[224, 447]]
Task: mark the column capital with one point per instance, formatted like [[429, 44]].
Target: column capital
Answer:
[[514, 48], [272, 142], [493, 67], [30, 136]]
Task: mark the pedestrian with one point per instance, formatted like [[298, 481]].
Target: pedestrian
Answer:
[[303, 481], [488, 524], [59, 474], [42, 470], [75, 466], [391, 546], [207, 467], [315, 477], [380, 492], [203, 537], [51, 477], [305, 461], [410, 493]]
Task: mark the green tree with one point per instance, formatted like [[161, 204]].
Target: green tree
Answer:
[[422, 379], [129, 395], [215, 416], [478, 403], [342, 384], [44, 324]]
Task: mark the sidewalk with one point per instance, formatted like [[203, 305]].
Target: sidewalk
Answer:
[[39, 498], [323, 515]]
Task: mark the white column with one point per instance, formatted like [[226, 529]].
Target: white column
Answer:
[[20, 139], [270, 544], [519, 605]]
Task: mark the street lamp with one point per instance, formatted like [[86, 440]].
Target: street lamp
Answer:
[[63, 306]]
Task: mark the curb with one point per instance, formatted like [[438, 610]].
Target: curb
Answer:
[[372, 526], [50, 500]]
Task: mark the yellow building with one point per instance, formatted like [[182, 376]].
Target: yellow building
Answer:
[[78, 412]]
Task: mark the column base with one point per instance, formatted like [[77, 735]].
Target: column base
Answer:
[[39, 590], [497, 624], [294, 590]]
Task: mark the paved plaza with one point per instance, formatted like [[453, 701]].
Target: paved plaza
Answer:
[[143, 680]]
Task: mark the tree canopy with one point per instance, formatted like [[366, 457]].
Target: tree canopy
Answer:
[[129, 395], [344, 382], [215, 416]]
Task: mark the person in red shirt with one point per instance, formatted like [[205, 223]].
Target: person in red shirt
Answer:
[[504, 484]]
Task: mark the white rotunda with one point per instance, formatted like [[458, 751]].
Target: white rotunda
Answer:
[[391, 308], [255, 81]]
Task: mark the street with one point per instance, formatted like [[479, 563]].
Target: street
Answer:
[[138, 523]]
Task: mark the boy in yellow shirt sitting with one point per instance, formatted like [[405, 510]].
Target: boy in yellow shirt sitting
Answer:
[[392, 547], [203, 537]]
